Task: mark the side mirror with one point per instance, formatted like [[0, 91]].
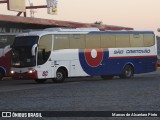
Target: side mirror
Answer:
[[33, 50]]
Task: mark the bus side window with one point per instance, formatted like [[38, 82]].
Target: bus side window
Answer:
[[10, 39], [61, 42], [108, 41], [93, 41], [149, 40], [3, 41], [136, 40], [44, 49], [122, 40], [77, 41]]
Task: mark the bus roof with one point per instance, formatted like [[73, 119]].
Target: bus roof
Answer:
[[45, 32], [122, 32]]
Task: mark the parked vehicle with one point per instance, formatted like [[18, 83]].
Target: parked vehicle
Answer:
[[6, 40], [60, 53]]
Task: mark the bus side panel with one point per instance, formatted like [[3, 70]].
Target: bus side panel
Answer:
[[5, 61], [100, 64], [69, 59], [140, 65], [105, 63], [144, 65], [6, 40], [143, 59]]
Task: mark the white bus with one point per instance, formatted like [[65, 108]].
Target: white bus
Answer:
[[57, 53]]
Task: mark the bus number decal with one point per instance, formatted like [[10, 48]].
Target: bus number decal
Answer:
[[45, 73]]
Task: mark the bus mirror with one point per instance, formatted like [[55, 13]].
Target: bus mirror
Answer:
[[33, 51]]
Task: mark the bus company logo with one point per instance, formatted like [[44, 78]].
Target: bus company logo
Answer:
[[45, 73], [93, 57], [6, 114]]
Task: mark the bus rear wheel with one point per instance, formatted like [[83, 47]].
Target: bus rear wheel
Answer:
[[105, 77], [40, 81], [127, 72], [60, 76]]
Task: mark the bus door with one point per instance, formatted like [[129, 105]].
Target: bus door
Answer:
[[45, 69], [44, 61]]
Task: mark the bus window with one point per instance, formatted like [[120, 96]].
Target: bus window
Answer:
[[77, 41], [149, 40], [122, 40], [3, 41], [136, 40], [44, 49], [93, 41], [108, 41], [6, 40], [61, 42]]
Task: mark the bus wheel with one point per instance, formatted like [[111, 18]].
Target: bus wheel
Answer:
[[60, 76], [107, 76], [1, 74], [40, 81], [127, 72]]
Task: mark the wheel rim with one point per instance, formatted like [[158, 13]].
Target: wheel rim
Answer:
[[128, 72], [59, 76]]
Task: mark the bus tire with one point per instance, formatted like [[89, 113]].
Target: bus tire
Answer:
[[105, 77], [60, 76], [40, 81], [128, 72], [1, 74]]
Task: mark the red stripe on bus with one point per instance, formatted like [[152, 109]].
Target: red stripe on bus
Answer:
[[122, 57]]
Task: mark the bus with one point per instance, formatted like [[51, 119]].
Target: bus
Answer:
[[6, 41], [57, 53], [158, 50]]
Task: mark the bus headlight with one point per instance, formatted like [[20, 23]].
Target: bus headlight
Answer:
[[12, 72], [31, 71]]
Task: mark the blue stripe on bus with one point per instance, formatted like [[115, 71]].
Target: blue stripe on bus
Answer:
[[114, 66]]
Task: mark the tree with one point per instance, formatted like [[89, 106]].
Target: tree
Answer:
[[98, 22]]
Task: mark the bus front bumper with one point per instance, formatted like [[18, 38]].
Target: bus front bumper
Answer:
[[26, 75]]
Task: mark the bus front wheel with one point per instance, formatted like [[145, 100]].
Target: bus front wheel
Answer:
[[127, 72], [60, 76]]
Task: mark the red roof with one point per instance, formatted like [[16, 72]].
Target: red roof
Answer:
[[56, 23]]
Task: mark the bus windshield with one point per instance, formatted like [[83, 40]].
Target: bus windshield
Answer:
[[22, 51]]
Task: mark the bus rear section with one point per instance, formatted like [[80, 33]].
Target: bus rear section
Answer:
[[6, 41], [57, 55]]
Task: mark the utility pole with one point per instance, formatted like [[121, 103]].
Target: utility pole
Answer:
[[32, 12], [52, 7]]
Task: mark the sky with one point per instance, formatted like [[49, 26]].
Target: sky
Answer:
[[138, 14]]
